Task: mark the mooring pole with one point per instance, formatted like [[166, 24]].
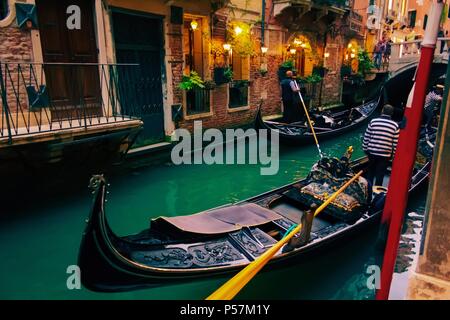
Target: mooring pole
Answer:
[[397, 195]]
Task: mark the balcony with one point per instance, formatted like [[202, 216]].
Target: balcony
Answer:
[[290, 12], [47, 101]]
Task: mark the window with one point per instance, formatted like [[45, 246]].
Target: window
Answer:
[[425, 20], [197, 100], [412, 18], [193, 45], [238, 96], [4, 9]]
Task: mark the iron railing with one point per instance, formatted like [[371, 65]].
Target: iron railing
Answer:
[[198, 101], [42, 97], [238, 93]]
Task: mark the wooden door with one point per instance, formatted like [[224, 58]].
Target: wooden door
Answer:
[[73, 82], [139, 40]]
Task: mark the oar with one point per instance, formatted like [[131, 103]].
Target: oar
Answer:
[[309, 120], [232, 287]]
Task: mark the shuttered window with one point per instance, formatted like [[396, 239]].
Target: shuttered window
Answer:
[[412, 18], [4, 9]]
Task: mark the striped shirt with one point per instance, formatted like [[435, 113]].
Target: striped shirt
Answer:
[[432, 99], [381, 137]]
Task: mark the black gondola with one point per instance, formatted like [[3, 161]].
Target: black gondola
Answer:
[[333, 124], [213, 242]]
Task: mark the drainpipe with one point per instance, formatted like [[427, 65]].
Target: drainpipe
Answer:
[[263, 21], [402, 167]]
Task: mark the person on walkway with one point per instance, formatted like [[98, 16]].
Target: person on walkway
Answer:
[[387, 53], [432, 104], [380, 143], [289, 95], [378, 53]]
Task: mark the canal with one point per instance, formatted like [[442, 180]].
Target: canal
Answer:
[[40, 230]]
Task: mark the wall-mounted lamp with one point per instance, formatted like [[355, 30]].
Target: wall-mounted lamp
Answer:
[[194, 25], [349, 45], [237, 30], [326, 54], [303, 45], [226, 46], [352, 55], [293, 51], [264, 49]]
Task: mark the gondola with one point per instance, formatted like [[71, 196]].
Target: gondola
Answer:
[[326, 124], [213, 242]]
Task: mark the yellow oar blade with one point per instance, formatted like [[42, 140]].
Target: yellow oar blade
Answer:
[[233, 286]]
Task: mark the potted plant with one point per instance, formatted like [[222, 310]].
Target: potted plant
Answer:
[[192, 84], [263, 71], [285, 66], [191, 81], [222, 75]]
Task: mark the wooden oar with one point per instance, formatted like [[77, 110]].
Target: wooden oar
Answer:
[[232, 287], [309, 120]]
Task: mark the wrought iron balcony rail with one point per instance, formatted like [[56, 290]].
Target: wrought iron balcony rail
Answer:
[[43, 97], [198, 101]]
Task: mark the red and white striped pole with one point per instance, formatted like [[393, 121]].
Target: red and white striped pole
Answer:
[[402, 167]]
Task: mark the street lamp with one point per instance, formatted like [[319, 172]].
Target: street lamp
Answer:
[[293, 51], [326, 54], [237, 30], [226, 46], [264, 50], [194, 25]]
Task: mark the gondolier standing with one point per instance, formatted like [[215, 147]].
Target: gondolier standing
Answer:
[[289, 93], [380, 142]]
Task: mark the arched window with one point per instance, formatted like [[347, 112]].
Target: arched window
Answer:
[[4, 9]]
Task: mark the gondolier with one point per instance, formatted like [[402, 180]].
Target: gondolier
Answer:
[[380, 142], [289, 95]]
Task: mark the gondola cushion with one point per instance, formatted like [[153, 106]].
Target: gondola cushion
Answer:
[[345, 207]]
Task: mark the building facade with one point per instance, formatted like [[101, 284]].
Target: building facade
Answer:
[[171, 63]]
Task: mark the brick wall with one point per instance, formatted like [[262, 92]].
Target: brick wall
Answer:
[[261, 87], [15, 46]]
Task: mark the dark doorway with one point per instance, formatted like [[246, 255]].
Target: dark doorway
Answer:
[[138, 39], [70, 58]]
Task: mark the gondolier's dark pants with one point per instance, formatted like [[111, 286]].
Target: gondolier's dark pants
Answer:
[[377, 169], [292, 111]]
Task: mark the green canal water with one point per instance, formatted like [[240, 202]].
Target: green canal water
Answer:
[[40, 232]]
